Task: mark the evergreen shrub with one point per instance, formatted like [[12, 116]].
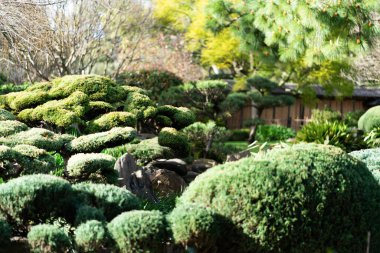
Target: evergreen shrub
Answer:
[[85, 213], [5, 233], [91, 236], [178, 142], [111, 120], [46, 238], [370, 119]]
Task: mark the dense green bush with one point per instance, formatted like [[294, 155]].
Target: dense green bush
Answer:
[[91, 236], [99, 141], [351, 119], [304, 198], [144, 152], [5, 233], [139, 231], [112, 200], [371, 157], [238, 134], [372, 138], [194, 226], [327, 114], [178, 142], [6, 115], [140, 105], [46, 238], [21, 100], [110, 120], [85, 213], [274, 133], [10, 87], [35, 198], [333, 133], [9, 127], [180, 117], [93, 167], [370, 119]]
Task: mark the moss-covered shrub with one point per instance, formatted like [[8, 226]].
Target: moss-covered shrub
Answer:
[[112, 200], [371, 157], [6, 115], [85, 213], [5, 233], [305, 198], [97, 108], [170, 137], [94, 167], [9, 127], [35, 198], [140, 105], [99, 141], [139, 231], [370, 119], [38, 137], [25, 99], [194, 226], [98, 88], [91, 236], [111, 120], [145, 151], [46, 238], [24, 160], [180, 116]]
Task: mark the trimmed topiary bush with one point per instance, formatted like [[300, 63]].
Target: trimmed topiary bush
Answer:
[[9, 127], [46, 238], [93, 167], [170, 137], [194, 226], [139, 231], [371, 157], [180, 116], [304, 198], [111, 120], [99, 141], [35, 198], [86, 213], [5, 233], [110, 199], [21, 100], [370, 119], [91, 236], [140, 105], [5, 115]]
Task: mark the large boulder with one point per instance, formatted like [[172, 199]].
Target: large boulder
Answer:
[[201, 165], [167, 182], [177, 165]]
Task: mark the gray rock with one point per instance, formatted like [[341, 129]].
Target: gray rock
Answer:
[[238, 156], [176, 165], [201, 165], [191, 175]]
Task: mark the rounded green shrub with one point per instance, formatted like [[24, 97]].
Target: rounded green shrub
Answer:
[[91, 236], [97, 108], [304, 198], [194, 226], [180, 116], [9, 127], [110, 199], [25, 99], [370, 119], [35, 198], [6, 115], [170, 137], [46, 238], [139, 231], [111, 120], [140, 105], [5, 233], [85, 213], [371, 157]]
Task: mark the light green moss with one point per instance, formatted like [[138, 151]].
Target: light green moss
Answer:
[[9, 127], [25, 99], [111, 120], [140, 105]]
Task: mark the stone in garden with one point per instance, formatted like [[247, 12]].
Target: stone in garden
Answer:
[[176, 165], [238, 156], [167, 182], [191, 175], [201, 165], [133, 178]]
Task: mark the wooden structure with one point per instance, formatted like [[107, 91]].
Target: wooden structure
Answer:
[[296, 115]]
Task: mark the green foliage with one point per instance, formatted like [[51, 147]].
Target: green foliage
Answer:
[[139, 231], [370, 119], [351, 119], [154, 81], [140, 105], [145, 151], [91, 236], [8, 88], [303, 198], [35, 198], [9, 127], [203, 136], [194, 226], [274, 133], [85, 213], [238, 134], [165, 204], [372, 139], [93, 167], [6, 115], [97, 108], [111, 120], [5, 233], [178, 142], [333, 133], [371, 157], [46, 238], [99, 141], [179, 117], [320, 116], [24, 99], [112, 200], [38, 137], [98, 88]]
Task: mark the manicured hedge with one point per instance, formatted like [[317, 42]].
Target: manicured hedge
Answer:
[[304, 198], [178, 142], [370, 119], [111, 120], [371, 157], [92, 236], [46, 238]]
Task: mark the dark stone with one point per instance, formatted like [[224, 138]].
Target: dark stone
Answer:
[[176, 165], [191, 175], [166, 182], [201, 165], [238, 156]]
